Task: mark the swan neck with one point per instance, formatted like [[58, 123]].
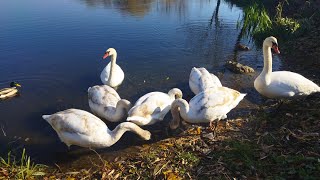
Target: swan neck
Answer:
[[267, 59], [184, 107], [112, 67], [117, 133]]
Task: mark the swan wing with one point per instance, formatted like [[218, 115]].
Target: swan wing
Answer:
[[200, 79], [75, 121], [103, 95], [214, 103], [150, 108], [286, 84], [146, 96], [103, 101]]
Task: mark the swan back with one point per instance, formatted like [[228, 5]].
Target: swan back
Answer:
[[213, 104], [78, 127], [104, 100], [200, 79], [285, 84], [152, 107]]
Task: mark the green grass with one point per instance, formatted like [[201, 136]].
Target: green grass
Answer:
[[22, 168], [244, 159]]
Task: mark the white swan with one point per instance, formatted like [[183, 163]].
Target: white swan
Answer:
[[207, 106], [200, 79], [81, 128], [112, 74], [152, 107], [105, 102], [280, 84]]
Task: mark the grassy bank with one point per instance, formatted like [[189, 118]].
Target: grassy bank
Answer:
[[20, 167], [271, 142]]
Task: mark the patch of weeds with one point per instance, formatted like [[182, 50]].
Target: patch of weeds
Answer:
[[292, 166], [238, 157], [171, 158], [22, 168]]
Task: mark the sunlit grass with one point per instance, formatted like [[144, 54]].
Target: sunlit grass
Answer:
[[255, 20], [257, 23], [20, 169]]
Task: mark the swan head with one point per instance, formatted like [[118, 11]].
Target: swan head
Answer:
[[109, 52], [272, 42], [176, 93], [125, 104]]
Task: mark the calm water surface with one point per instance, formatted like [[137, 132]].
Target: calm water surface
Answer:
[[55, 48]]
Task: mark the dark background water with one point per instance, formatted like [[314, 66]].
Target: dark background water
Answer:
[[54, 50]]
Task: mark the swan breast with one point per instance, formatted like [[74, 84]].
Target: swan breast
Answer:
[[117, 78]]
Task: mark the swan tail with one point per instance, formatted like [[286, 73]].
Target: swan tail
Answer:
[[46, 117], [242, 95]]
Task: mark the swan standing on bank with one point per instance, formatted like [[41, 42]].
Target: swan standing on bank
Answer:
[[81, 128], [280, 84], [210, 105], [152, 107], [200, 79], [112, 75], [105, 102]]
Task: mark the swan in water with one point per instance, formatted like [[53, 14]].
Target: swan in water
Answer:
[[105, 102], [81, 128], [112, 75], [200, 79], [152, 107], [280, 84], [210, 105]]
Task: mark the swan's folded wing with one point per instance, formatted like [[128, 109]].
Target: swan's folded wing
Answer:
[[75, 121], [216, 80], [103, 95], [291, 83], [221, 97], [143, 98], [200, 79]]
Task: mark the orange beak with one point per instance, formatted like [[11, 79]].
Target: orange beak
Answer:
[[276, 49], [105, 55]]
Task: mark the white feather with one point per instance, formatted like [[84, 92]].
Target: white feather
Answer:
[[281, 84], [152, 107], [105, 102], [200, 79], [81, 128]]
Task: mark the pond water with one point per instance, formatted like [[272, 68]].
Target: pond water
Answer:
[[54, 50]]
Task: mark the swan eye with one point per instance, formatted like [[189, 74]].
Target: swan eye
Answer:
[[274, 44]]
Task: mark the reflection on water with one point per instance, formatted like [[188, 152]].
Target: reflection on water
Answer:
[[133, 7], [54, 49]]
